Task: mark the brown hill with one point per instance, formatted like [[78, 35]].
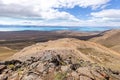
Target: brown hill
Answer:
[[63, 59], [17, 40], [110, 39], [79, 49], [6, 52]]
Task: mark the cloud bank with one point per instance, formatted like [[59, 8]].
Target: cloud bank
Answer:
[[46, 12]]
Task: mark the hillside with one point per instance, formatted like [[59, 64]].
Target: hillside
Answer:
[[82, 49], [19, 39], [63, 59], [110, 39], [6, 52]]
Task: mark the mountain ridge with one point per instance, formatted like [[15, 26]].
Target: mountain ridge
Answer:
[[85, 49], [110, 39], [62, 59]]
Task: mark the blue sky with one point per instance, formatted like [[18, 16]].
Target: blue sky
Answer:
[[60, 12]]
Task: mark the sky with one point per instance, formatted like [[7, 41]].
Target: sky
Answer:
[[60, 12]]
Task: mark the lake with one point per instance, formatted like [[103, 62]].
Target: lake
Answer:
[[53, 28]]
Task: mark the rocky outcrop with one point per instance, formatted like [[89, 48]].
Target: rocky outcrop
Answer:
[[79, 49], [55, 67], [64, 59]]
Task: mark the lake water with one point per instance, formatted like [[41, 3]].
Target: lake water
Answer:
[[53, 28]]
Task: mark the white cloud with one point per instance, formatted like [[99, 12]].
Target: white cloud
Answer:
[[57, 3], [44, 8], [110, 13], [48, 14]]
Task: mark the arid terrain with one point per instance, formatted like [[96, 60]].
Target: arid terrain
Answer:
[[82, 49], [6, 52], [110, 39], [20, 39], [17, 40], [60, 55], [62, 59]]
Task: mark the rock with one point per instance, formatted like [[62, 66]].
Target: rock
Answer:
[[2, 62], [30, 76], [115, 72], [75, 75], [57, 60], [14, 76], [85, 78], [85, 71], [47, 57], [68, 61], [3, 77], [12, 62], [2, 67], [52, 67], [65, 68], [74, 66], [34, 65], [40, 68]]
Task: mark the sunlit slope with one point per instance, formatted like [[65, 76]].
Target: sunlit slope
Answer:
[[6, 52], [66, 47], [110, 39]]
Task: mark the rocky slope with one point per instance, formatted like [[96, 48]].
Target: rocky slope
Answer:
[[68, 46], [63, 59], [110, 39], [55, 67]]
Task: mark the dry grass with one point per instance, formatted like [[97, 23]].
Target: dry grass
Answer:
[[102, 58], [6, 52], [86, 50], [110, 39]]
